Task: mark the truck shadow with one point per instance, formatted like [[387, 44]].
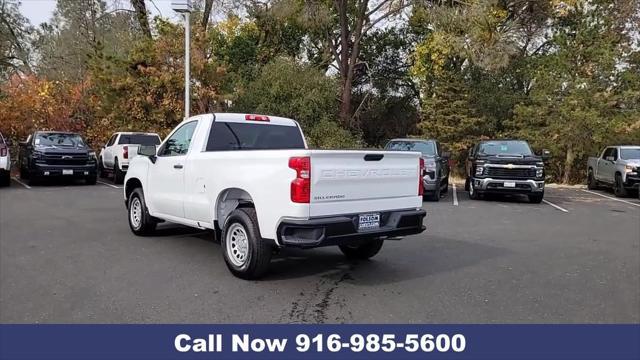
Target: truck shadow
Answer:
[[396, 261]]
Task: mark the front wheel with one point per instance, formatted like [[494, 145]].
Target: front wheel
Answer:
[[246, 254], [101, 171], [536, 198], [618, 188], [473, 193], [362, 251], [140, 222]]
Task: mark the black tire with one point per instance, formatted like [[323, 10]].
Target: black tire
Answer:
[[446, 186], [618, 187], [466, 184], [24, 173], [255, 262], [33, 179], [91, 180], [101, 173], [5, 178], [118, 175], [145, 225], [536, 198], [362, 251], [473, 194], [435, 196], [592, 184]]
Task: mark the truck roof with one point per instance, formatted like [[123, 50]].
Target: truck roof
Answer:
[[243, 118], [411, 139], [135, 133]]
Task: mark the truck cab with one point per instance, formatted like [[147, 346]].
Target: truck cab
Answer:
[[120, 149]]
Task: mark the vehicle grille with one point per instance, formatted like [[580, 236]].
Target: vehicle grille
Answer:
[[505, 173], [65, 159]]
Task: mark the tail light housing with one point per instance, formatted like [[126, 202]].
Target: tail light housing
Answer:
[[252, 117], [125, 152], [420, 183], [301, 185], [3, 151]]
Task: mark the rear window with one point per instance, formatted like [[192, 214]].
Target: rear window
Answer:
[[247, 136], [139, 139]]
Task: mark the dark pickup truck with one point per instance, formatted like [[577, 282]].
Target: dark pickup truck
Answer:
[[436, 177], [505, 167], [55, 153]]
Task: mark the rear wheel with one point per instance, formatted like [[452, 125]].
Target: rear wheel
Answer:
[[5, 178], [246, 254], [592, 184], [118, 175], [618, 188], [362, 251], [140, 222]]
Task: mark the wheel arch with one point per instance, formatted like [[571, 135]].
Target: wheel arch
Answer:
[[132, 184], [229, 200]]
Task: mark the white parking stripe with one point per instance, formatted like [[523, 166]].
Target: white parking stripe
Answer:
[[104, 183], [455, 195], [20, 182], [609, 197], [555, 206]]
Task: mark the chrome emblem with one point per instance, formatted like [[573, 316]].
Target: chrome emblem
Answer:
[[510, 166]]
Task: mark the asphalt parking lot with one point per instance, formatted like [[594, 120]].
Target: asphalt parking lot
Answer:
[[67, 256]]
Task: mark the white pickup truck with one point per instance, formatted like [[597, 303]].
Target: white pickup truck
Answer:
[[119, 150], [617, 167], [252, 179]]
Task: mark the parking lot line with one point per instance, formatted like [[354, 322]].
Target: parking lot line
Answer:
[[455, 195], [610, 197], [555, 206], [104, 183], [20, 182]]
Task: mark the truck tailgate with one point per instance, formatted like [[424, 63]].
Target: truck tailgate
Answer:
[[344, 182]]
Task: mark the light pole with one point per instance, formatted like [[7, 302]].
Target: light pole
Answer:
[[184, 7]]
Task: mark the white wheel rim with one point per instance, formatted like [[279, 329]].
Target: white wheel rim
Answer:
[[237, 244], [135, 212]]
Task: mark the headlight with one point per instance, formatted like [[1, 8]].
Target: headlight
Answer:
[[37, 155], [629, 168], [539, 173], [479, 170]]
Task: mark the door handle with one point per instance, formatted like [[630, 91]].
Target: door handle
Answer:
[[177, 166]]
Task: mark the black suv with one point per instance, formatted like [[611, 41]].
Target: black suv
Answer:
[[55, 153], [505, 167]]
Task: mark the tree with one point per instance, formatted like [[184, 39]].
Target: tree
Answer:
[[15, 32], [142, 16]]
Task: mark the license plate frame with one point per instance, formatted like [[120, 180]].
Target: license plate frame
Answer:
[[67, 172], [509, 184], [368, 221]]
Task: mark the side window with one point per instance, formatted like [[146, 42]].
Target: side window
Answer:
[[112, 140], [607, 153], [180, 140], [614, 153]]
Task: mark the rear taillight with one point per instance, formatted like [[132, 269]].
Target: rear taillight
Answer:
[[420, 183], [125, 152], [301, 185], [3, 151]]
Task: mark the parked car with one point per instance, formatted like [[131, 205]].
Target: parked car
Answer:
[[5, 161], [252, 179], [505, 167], [436, 162], [47, 154], [617, 167], [120, 149]]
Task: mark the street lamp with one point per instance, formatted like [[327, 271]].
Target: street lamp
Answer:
[[184, 7]]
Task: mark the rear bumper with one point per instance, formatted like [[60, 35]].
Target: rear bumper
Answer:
[[490, 185], [339, 230], [57, 170]]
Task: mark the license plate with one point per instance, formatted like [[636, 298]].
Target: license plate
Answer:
[[67, 172], [509, 184], [369, 221]]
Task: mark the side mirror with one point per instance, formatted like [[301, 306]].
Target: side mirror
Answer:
[[446, 154], [148, 151], [610, 158], [546, 154]]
